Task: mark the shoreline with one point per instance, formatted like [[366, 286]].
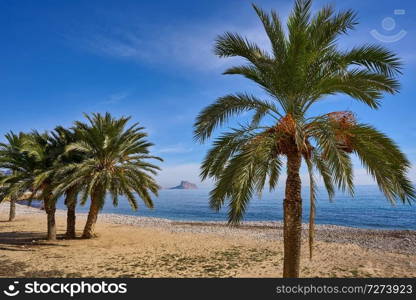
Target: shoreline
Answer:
[[131, 246], [396, 241], [243, 224]]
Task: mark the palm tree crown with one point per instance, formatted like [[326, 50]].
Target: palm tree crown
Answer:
[[22, 165], [115, 162]]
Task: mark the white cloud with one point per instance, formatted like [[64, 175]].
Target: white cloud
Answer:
[[115, 98], [178, 148], [191, 47], [122, 45]]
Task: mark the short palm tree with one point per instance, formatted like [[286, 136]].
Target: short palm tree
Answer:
[[304, 66], [115, 163], [12, 210], [15, 162], [30, 159]]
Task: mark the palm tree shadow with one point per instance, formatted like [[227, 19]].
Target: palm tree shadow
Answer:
[[24, 241]]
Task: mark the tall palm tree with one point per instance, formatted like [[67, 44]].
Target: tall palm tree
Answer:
[[115, 163], [31, 159], [305, 65], [63, 137], [44, 150]]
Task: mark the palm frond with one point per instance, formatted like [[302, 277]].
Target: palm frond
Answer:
[[244, 172], [273, 27], [361, 85], [374, 58], [232, 44], [325, 133], [384, 161], [325, 171], [219, 113]]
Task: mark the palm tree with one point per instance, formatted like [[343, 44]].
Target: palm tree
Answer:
[[44, 150], [19, 166], [31, 159], [115, 163], [12, 200], [64, 137], [304, 66]]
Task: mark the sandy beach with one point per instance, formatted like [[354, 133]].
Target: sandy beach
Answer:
[[130, 246]]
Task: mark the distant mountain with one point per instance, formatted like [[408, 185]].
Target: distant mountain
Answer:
[[185, 185]]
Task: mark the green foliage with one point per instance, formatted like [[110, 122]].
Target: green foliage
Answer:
[[384, 161], [218, 113], [93, 158], [304, 66], [114, 161], [249, 162], [26, 160]]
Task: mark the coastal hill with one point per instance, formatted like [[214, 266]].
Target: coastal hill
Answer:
[[184, 185]]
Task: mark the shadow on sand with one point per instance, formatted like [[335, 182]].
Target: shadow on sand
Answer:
[[23, 241]]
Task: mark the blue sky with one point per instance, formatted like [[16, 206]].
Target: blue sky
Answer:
[[153, 60]]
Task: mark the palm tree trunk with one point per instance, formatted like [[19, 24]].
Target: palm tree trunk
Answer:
[[71, 203], [292, 207], [50, 209], [12, 212], [92, 218]]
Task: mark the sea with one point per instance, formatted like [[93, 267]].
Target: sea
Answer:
[[367, 209]]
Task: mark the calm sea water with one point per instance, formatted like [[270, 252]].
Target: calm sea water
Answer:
[[368, 209]]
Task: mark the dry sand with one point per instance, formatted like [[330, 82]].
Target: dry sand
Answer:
[[146, 247]]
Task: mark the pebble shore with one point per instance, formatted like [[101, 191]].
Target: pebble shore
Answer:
[[398, 241]]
